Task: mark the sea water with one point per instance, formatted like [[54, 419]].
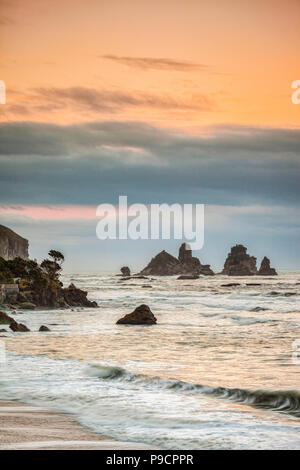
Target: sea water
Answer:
[[220, 370]]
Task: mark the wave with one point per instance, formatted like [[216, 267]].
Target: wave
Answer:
[[284, 401]]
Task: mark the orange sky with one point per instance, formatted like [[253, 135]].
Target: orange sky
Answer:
[[173, 63]]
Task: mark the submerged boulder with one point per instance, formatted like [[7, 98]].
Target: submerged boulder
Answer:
[[142, 315], [231, 284], [14, 326], [239, 263], [188, 276], [265, 269], [5, 319]]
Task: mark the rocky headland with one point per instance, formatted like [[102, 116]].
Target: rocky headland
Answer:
[[39, 285]]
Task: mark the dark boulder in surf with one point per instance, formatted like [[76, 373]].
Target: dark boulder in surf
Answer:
[[18, 327], [5, 319], [265, 269], [184, 277], [231, 284], [44, 328], [142, 315]]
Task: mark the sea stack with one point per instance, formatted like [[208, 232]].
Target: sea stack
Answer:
[[125, 271], [165, 264], [239, 263], [265, 269]]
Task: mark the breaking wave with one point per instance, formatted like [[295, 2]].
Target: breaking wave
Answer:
[[285, 401]]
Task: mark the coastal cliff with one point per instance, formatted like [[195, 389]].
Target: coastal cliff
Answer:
[[12, 245]]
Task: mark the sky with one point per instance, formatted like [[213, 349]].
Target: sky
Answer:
[[165, 102]]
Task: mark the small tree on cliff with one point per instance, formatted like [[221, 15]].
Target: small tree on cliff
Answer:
[[57, 256], [52, 267]]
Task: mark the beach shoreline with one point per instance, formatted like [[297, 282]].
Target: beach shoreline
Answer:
[[27, 427]]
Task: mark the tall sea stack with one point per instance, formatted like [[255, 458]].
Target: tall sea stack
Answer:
[[239, 263]]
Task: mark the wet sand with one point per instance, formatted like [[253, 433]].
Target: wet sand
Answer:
[[24, 427]]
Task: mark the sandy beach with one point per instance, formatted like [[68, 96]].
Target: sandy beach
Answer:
[[24, 427]]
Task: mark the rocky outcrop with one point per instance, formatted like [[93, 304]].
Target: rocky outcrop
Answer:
[[75, 297], [125, 271], [12, 245], [14, 326], [265, 269], [231, 284], [239, 263], [27, 305], [44, 328], [39, 285], [162, 264], [185, 277], [142, 315], [165, 264], [5, 319]]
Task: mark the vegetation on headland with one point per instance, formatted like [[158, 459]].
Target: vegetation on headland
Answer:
[[39, 285]]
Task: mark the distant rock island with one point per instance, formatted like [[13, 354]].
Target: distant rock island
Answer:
[[165, 264], [12, 245], [265, 269], [240, 263]]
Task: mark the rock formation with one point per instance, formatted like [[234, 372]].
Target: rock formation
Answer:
[[265, 269], [239, 263], [142, 315], [5, 319], [185, 277], [75, 297], [40, 286], [14, 326], [12, 245], [44, 328], [125, 271], [165, 264]]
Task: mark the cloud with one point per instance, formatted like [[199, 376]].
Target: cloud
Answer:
[[95, 162], [91, 101], [151, 63], [113, 101]]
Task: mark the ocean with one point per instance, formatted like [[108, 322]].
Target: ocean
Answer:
[[220, 370]]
